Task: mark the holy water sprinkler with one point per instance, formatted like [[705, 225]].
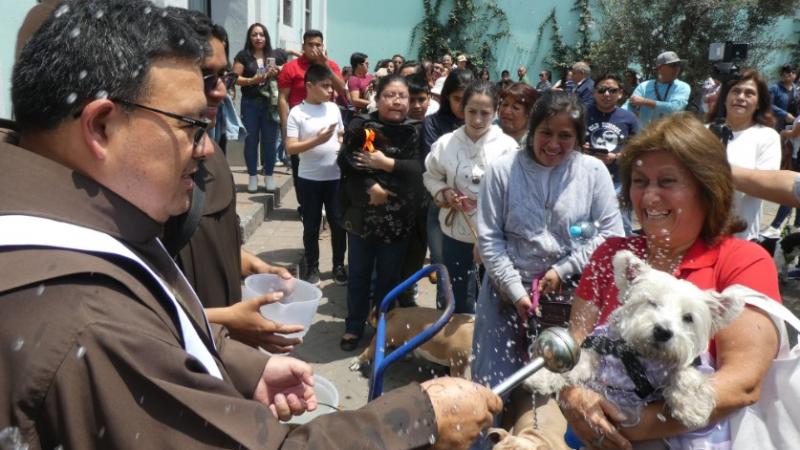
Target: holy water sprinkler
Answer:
[[554, 349]]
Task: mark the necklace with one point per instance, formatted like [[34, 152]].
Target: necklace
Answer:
[[666, 94]]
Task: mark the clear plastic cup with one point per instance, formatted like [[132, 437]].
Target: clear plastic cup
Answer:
[[298, 305], [327, 397]]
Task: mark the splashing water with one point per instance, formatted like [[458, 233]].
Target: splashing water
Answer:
[[71, 98], [63, 9], [639, 162], [80, 352], [82, 74], [40, 290], [17, 344], [75, 32], [432, 439], [147, 10], [101, 94]]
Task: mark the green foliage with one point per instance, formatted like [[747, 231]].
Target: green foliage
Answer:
[[470, 28], [634, 32], [562, 55]]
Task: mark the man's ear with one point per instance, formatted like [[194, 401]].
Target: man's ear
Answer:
[[97, 126]]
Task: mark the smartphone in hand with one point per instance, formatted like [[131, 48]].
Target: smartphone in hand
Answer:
[[270, 62]]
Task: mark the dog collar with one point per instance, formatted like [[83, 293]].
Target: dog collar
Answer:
[[605, 346]]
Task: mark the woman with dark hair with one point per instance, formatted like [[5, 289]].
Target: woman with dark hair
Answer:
[[380, 191], [754, 143], [258, 65], [449, 117], [516, 102], [677, 180], [453, 173], [528, 202], [483, 75]]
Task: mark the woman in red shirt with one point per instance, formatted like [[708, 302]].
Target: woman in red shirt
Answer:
[[676, 178]]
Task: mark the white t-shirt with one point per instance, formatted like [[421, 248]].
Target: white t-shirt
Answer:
[[304, 122], [757, 147]]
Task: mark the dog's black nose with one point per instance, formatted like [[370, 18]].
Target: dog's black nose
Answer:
[[661, 334]]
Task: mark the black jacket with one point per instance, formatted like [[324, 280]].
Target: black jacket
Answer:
[[393, 220]]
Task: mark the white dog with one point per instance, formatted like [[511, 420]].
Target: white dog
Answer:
[[660, 329]]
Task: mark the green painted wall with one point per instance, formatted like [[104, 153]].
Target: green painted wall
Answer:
[[10, 21], [383, 28]]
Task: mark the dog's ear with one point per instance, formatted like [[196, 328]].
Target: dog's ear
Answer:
[[724, 308], [496, 435], [627, 267]]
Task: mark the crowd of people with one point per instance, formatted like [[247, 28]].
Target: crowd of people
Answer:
[[122, 297]]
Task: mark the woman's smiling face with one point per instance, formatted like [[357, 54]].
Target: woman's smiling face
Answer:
[[553, 139], [666, 199]]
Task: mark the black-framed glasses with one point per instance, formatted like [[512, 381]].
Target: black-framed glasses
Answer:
[[210, 80], [603, 90], [201, 124]]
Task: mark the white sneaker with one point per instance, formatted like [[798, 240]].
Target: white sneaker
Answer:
[[269, 183], [771, 233], [252, 185]]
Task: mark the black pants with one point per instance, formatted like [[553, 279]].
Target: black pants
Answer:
[[313, 195]]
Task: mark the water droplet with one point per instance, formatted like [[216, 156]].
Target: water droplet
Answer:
[[661, 417], [182, 41], [137, 436], [101, 94], [99, 14], [70, 100], [17, 344], [458, 427], [639, 162], [61, 11], [432, 439], [82, 74], [40, 290], [59, 447], [147, 9], [141, 399], [75, 32], [575, 114], [101, 432], [80, 352]]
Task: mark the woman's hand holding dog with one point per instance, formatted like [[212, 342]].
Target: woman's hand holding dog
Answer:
[[591, 417]]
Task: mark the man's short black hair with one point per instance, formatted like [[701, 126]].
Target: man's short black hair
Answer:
[[546, 73], [312, 34], [609, 76], [357, 58], [317, 73], [417, 84], [418, 69], [93, 49], [505, 72], [788, 68]]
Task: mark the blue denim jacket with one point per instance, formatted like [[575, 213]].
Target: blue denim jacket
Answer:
[[228, 122]]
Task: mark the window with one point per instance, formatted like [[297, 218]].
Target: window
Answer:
[[204, 6], [287, 12], [308, 15]]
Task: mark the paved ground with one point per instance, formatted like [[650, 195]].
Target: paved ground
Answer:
[[275, 233]]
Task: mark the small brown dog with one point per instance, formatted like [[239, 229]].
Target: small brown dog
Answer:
[[451, 346]]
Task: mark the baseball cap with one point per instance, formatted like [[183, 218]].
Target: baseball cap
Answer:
[[668, 58], [461, 58]]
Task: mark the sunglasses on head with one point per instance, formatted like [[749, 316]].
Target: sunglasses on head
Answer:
[[210, 80], [603, 90]]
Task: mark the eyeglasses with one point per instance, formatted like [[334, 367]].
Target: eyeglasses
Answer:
[[393, 95], [603, 90], [201, 124], [210, 80]]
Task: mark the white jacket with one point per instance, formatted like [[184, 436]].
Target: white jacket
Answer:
[[455, 161]]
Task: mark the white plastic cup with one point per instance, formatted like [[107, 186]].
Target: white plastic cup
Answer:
[[327, 397], [298, 305]]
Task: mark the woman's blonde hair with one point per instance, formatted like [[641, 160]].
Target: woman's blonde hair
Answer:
[[701, 152]]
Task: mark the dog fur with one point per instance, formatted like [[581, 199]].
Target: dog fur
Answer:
[[787, 250], [666, 321], [451, 346]]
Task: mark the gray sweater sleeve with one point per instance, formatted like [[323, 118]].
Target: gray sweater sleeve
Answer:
[[604, 213], [492, 244]]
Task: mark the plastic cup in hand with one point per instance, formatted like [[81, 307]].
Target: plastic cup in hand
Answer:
[[298, 305]]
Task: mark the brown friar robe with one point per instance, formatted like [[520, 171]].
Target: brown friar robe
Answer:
[[91, 356], [211, 260]]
